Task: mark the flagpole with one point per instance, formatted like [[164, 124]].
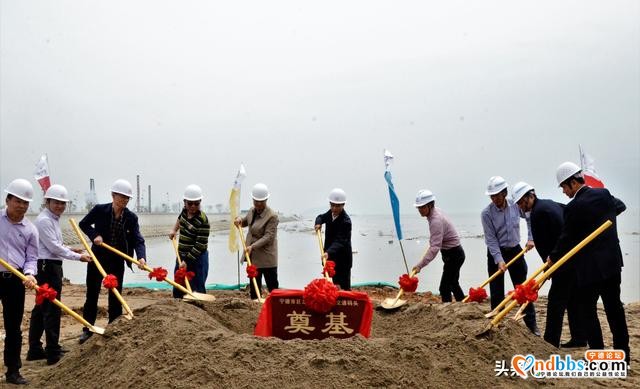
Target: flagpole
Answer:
[[403, 257], [238, 262]]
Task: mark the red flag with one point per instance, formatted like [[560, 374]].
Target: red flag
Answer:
[[41, 173], [589, 171]]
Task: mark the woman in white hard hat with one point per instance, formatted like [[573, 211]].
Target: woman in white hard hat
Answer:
[[501, 225], [262, 238], [337, 237], [114, 224], [443, 237], [193, 243], [45, 318], [19, 247]]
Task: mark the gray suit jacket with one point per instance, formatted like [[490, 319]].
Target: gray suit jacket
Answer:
[[263, 237]]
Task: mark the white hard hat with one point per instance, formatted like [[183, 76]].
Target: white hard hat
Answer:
[[423, 197], [496, 185], [192, 193], [260, 192], [566, 170], [57, 192], [123, 187], [337, 196], [20, 188], [520, 189]]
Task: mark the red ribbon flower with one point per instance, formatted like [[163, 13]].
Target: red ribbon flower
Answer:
[[320, 295], [527, 292], [477, 294], [110, 281], [45, 292], [329, 268], [252, 271], [408, 284], [159, 273], [181, 274]]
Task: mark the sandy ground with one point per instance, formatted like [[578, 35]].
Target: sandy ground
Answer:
[[177, 344]]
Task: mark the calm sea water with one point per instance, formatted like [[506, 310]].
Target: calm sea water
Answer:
[[378, 256]]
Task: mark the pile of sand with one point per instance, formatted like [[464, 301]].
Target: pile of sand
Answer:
[[176, 344]]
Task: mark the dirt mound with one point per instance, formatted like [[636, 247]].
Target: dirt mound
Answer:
[[176, 344]]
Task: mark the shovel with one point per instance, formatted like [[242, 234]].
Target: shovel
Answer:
[[499, 271], [92, 328], [510, 296], [548, 273], [246, 255], [395, 303], [324, 262], [189, 295], [129, 314]]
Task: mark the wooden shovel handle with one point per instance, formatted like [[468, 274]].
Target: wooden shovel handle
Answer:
[[147, 268], [499, 271], [175, 248], [555, 266], [246, 255], [98, 265], [324, 262], [57, 302]]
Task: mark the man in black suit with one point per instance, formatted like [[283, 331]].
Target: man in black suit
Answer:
[[598, 264], [115, 225], [546, 225]]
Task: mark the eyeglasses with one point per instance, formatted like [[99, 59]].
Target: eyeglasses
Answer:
[[192, 203]]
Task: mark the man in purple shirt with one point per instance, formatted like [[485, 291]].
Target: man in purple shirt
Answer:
[[444, 238], [19, 247], [501, 225], [46, 316]]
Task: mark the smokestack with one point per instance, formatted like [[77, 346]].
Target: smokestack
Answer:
[[149, 197], [138, 193]]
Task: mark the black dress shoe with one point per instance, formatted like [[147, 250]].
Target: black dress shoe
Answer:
[[535, 331], [36, 354], [16, 379], [573, 344], [53, 359], [85, 336]]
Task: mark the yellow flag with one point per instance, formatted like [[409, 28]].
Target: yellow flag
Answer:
[[234, 208]]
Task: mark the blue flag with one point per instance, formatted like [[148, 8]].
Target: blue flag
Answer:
[[395, 204]]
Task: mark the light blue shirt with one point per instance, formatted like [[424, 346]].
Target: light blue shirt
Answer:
[[18, 244], [51, 246], [502, 228]]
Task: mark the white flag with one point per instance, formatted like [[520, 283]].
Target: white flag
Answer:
[[41, 174]]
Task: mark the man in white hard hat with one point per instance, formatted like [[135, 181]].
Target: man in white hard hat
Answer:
[[337, 237], [19, 248], [193, 242], [501, 225], [443, 238], [546, 224], [51, 252], [112, 223], [599, 264], [262, 238]]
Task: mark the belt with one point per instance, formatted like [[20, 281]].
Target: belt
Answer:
[[52, 261], [7, 274]]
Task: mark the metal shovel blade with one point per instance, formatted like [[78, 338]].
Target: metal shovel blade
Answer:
[[199, 296], [392, 303], [128, 316], [491, 314], [97, 330]]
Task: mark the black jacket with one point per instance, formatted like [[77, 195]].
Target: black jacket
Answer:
[[601, 258], [337, 238], [98, 222], [546, 225]]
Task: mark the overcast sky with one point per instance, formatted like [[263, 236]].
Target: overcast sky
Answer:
[[308, 95]]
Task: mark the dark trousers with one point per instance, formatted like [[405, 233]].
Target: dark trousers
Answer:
[[518, 274], [201, 269], [562, 296], [449, 283], [271, 278], [112, 265], [342, 277], [12, 296], [46, 316], [609, 291]]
